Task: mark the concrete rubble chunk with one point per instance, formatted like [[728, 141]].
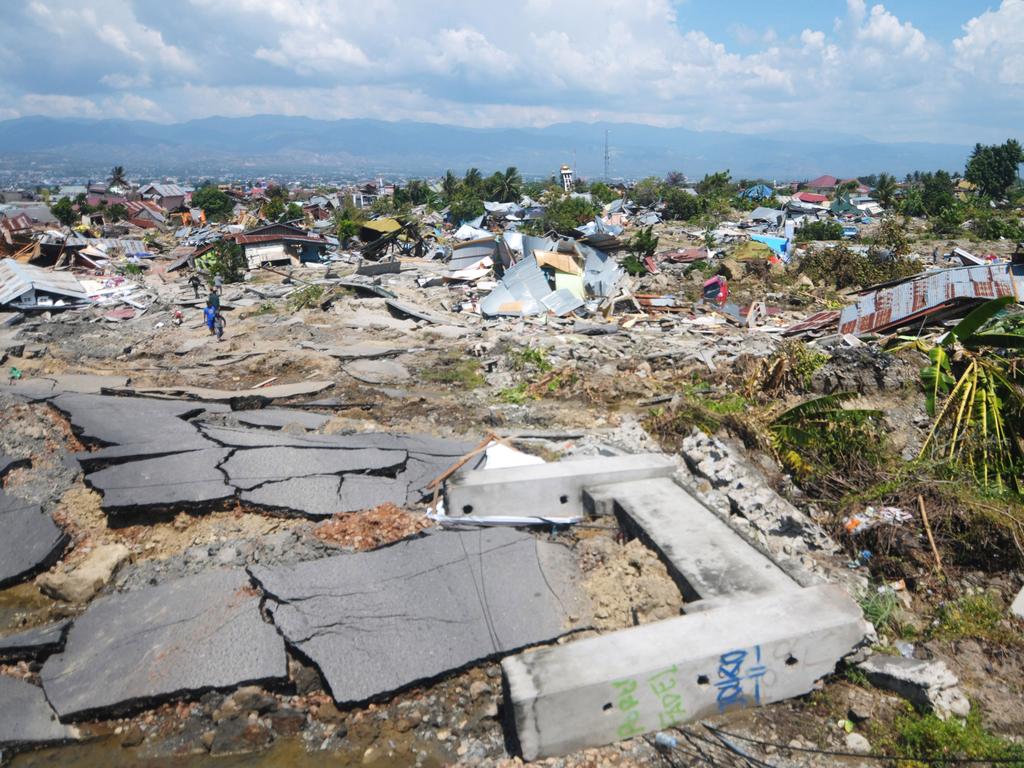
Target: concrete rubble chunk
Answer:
[[190, 477], [26, 719], [87, 578], [547, 490], [926, 684], [741, 654], [707, 558], [134, 649], [34, 643], [376, 622], [250, 468], [29, 539]]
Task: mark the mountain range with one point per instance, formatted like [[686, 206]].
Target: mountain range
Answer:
[[265, 144]]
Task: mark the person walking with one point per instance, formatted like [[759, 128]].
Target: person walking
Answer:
[[218, 325], [195, 282], [210, 316]]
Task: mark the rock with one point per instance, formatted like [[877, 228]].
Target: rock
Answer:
[[857, 743], [305, 679], [34, 643], [926, 684], [133, 737], [478, 688], [251, 698], [26, 718], [29, 539], [329, 713], [239, 736], [287, 721], [370, 621], [1017, 608], [87, 578], [377, 371], [133, 649]]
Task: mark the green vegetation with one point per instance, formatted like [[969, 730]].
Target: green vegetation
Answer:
[[65, 212], [117, 177], [602, 193], [842, 268], [309, 296], [830, 449], [819, 230], [790, 369], [227, 259], [979, 616], [465, 206], [456, 369], [926, 741], [217, 205], [562, 215], [516, 395], [994, 168], [892, 235], [647, 191], [881, 609], [974, 390], [681, 205], [525, 358]]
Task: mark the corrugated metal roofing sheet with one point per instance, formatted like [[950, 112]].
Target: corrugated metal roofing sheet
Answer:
[[906, 302], [16, 279]]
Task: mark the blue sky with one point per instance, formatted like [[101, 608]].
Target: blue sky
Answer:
[[902, 70]]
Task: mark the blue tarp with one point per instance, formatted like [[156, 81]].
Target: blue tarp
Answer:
[[778, 245], [758, 192]]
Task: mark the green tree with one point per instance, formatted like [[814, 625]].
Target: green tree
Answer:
[[449, 185], [995, 168], [226, 259], [681, 205], [675, 179], [473, 180], [117, 177], [563, 214], [64, 212], [716, 185], [937, 192], [466, 206], [292, 212], [508, 186], [885, 189], [603, 193], [116, 212], [912, 203], [947, 221], [273, 209], [217, 205], [892, 235], [647, 191]]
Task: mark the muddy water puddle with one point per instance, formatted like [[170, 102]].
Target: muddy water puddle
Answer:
[[22, 607]]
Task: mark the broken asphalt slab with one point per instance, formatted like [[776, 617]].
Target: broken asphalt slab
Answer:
[[377, 371], [7, 463], [278, 418], [180, 478], [251, 468], [376, 622], [29, 539], [134, 649], [34, 643], [26, 719], [271, 392]]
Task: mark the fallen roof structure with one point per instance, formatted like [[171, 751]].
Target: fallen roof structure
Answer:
[[26, 287], [930, 297]]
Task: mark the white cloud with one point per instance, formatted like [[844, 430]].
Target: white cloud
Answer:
[[991, 46], [526, 63]]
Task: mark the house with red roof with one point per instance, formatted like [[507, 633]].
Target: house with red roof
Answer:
[[811, 197], [823, 185]]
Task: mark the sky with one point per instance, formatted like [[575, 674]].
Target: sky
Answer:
[[905, 70]]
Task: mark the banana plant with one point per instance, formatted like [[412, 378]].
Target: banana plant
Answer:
[[974, 390]]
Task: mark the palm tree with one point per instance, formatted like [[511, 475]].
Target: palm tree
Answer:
[[117, 178], [473, 179], [449, 185], [510, 188], [885, 189]]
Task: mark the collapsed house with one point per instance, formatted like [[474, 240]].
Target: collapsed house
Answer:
[[28, 288]]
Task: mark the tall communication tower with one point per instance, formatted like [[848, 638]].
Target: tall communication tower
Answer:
[[607, 156]]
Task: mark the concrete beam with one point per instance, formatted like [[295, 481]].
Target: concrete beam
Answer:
[[707, 558], [751, 652], [547, 490]]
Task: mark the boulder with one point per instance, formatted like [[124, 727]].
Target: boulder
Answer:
[[89, 577]]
